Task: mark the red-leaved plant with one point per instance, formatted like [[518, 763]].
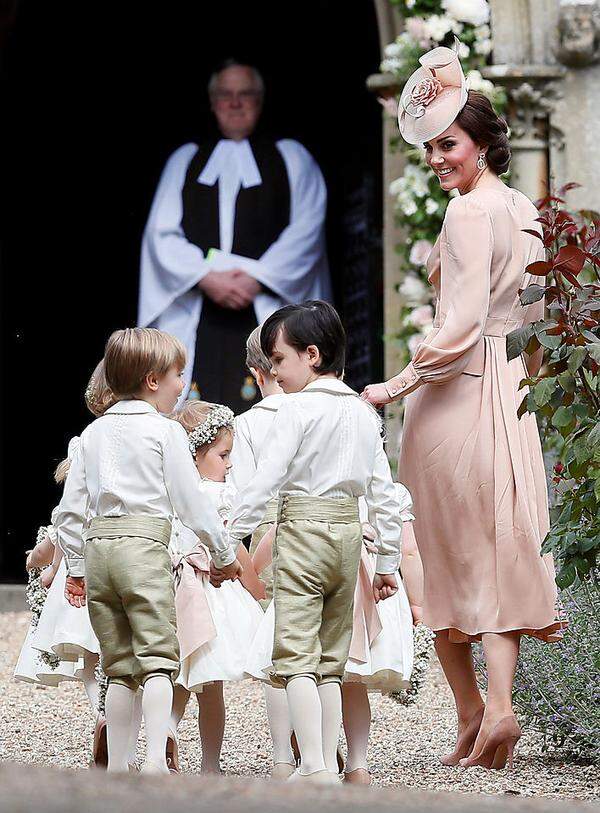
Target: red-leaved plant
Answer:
[[566, 393]]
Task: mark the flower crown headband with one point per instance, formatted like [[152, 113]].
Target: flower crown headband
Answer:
[[219, 417]]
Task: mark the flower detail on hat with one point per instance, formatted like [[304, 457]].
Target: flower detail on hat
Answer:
[[423, 93]]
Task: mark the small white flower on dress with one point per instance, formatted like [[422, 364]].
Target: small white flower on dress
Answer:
[[473, 12], [420, 251]]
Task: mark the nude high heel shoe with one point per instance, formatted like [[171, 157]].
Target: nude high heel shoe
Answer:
[[465, 742], [498, 747]]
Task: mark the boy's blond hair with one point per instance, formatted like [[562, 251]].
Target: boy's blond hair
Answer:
[[255, 356], [98, 395], [134, 352], [193, 413]]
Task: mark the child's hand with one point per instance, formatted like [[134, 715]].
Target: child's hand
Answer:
[[232, 571], [75, 591], [384, 586], [216, 576], [47, 577], [417, 614]]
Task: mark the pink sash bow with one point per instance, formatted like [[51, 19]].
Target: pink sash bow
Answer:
[[195, 625], [366, 621]]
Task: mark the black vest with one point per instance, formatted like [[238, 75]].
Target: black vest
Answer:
[[261, 213]]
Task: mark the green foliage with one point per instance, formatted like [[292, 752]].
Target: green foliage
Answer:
[[566, 394]]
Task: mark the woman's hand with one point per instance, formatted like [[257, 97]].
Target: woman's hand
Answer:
[[376, 394]]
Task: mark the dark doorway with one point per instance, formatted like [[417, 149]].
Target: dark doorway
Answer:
[[97, 96]]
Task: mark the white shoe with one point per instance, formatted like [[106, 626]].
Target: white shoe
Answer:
[[151, 768], [282, 770], [317, 778]]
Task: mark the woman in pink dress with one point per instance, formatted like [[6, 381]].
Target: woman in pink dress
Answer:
[[474, 469]]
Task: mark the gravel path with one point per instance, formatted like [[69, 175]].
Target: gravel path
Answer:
[[54, 727]]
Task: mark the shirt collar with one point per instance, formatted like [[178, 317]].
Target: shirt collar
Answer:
[[332, 385], [270, 402], [231, 158], [131, 407]]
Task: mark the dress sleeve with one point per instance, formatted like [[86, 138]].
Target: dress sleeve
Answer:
[[466, 264]]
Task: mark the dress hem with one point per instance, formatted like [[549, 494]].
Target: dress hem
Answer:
[[549, 634]]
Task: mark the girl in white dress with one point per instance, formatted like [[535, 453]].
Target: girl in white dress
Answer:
[[381, 652], [216, 621], [30, 664]]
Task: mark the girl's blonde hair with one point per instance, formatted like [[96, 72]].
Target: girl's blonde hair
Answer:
[[193, 414], [131, 354], [61, 471], [98, 395], [255, 356]]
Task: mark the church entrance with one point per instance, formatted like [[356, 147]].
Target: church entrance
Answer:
[[97, 97]]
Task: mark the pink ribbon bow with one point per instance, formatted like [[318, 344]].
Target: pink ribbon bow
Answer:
[[195, 625], [366, 622]]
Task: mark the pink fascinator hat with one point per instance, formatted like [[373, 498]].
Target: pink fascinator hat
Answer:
[[433, 96]]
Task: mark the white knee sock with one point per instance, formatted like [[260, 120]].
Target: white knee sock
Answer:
[[119, 710], [331, 705], [157, 701], [278, 714], [134, 728], [88, 676], [305, 714], [357, 724]]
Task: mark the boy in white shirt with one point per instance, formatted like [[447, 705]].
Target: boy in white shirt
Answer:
[[324, 452], [133, 471]]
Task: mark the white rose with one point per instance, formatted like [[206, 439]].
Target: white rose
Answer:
[[431, 206], [390, 65], [407, 204], [475, 81], [483, 32], [483, 47], [474, 12], [397, 187], [421, 317], [420, 252], [393, 50], [437, 26], [463, 50], [413, 290], [410, 3]]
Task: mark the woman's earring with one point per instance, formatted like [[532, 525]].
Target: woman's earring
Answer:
[[481, 162]]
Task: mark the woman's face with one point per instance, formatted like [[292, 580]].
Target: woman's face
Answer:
[[453, 157]]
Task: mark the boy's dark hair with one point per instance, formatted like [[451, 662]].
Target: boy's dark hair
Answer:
[[313, 322]]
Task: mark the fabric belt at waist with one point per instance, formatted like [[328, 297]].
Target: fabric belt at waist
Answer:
[[113, 527], [318, 509], [271, 512], [494, 328]]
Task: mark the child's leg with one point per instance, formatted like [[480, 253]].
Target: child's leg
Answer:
[[157, 702], [88, 676], [211, 722], [278, 713], [180, 701], [119, 711], [134, 729], [330, 695], [357, 724], [306, 716]]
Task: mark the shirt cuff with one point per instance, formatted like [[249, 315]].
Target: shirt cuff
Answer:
[[403, 383], [387, 563], [75, 568], [223, 558]]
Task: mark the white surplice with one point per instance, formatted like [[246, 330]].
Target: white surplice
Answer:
[[293, 269]]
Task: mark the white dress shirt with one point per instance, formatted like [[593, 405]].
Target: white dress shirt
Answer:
[[134, 462], [324, 442], [251, 433]]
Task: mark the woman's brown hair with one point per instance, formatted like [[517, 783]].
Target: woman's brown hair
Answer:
[[481, 122]]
